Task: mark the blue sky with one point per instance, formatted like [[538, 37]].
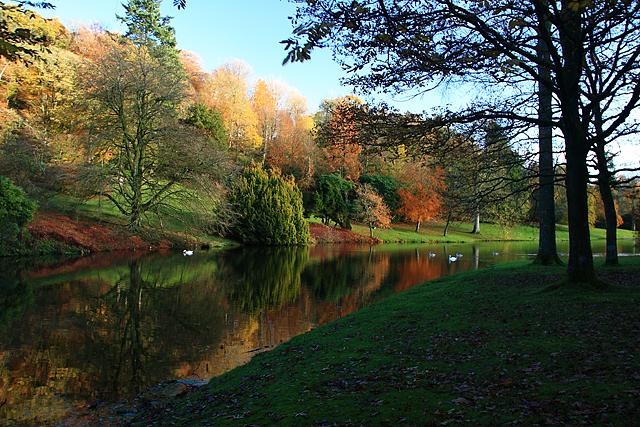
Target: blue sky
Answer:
[[249, 30]]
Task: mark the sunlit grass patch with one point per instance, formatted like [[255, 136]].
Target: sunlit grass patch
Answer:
[[462, 232]]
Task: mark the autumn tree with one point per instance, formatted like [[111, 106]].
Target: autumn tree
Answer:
[[420, 193], [227, 89], [265, 104], [294, 150], [230, 95], [339, 136], [271, 209], [199, 81], [38, 112], [142, 160], [20, 39], [387, 187], [371, 208], [481, 173], [44, 91], [286, 130]]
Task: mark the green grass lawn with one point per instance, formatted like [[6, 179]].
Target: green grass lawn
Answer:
[[486, 347], [462, 232]]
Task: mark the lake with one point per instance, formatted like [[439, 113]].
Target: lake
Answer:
[[111, 325]]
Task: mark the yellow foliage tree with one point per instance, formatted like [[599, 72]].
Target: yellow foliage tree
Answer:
[[229, 87]]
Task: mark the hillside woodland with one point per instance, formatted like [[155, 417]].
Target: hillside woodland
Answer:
[[112, 141]]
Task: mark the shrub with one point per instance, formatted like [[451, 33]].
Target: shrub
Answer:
[[16, 209], [271, 209], [329, 200]]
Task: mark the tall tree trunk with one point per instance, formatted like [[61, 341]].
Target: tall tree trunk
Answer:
[[604, 184], [610, 214], [547, 249], [417, 226], [476, 257], [580, 267], [611, 218], [264, 152], [476, 219]]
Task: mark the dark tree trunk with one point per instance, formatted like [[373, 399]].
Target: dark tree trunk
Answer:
[[580, 267], [611, 216], [547, 249], [604, 184], [417, 226], [446, 227]]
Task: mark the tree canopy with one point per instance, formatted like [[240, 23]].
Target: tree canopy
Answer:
[[415, 46], [19, 37], [146, 26]]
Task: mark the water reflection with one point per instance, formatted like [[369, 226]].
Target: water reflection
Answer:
[[112, 325], [266, 278]]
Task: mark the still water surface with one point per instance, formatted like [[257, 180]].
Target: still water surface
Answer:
[[111, 325]]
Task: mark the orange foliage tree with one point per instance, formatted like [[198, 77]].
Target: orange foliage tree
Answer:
[[419, 194], [373, 210], [294, 150], [341, 137], [285, 127], [197, 77]]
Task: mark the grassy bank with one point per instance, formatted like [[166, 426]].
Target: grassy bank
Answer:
[[178, 233], [462, 232], [487, 347]]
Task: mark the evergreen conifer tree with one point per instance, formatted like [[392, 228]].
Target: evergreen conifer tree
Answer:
[[271, 209], [145, 25]]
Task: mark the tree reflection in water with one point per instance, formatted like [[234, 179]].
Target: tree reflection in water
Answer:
[[112, 325], [129, 361], [267, 277]]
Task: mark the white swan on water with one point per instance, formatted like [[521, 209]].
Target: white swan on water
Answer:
[[452, 258], [431, 254], [187, 253]]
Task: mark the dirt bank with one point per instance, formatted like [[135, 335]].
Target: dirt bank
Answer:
[[89, 235], [325, 234], [102, 236]]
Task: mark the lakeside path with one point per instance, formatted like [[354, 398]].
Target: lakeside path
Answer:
[[485, 347]]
